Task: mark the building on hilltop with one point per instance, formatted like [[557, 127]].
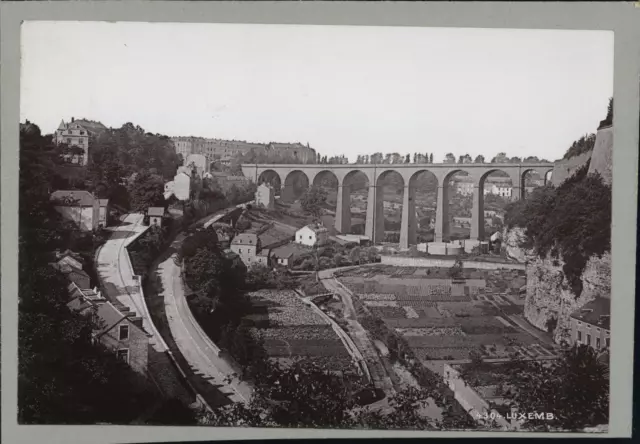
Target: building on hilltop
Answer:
[[590, 324], [304, 154], [77, 135], [119, 330], [82, 208], [265, 196], [312, 235]]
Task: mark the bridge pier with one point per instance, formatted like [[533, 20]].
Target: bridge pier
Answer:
[[343, 209], [442, 213], [374, 227], [408, 226], [288, 194], [477, 213]]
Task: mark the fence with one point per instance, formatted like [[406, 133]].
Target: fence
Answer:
[[400, 261]]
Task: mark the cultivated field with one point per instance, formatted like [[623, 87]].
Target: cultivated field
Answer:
[[291, 330], [445, 319]]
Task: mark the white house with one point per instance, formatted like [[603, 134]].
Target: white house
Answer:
[[312, 235], [265, 196], [182, 185], [82, 208]]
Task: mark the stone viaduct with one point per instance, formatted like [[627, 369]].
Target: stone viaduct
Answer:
[[376, 173]]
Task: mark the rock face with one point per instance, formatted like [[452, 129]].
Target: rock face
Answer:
[[601, 160], [511, 243], [549, 298], [563, 169]]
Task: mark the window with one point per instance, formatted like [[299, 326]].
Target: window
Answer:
[[309, 237], [82, 133], [588, 339], [579, 336], [124, 332], [123, 354], [606, 342], [598, 343], [239, 250], [68, 140]]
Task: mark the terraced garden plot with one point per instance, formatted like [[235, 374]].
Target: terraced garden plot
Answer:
[[380, 303], [376, 296], [311, 351], [431, 331], [428, 311], [431, 353], [404, 271], [298, 332], [388, 312], [420, 322], [284, 308], [460, 309]]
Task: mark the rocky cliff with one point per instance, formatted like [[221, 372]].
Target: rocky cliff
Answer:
[[550, 301]]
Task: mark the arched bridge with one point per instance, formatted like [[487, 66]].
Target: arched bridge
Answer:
[[375, 173]]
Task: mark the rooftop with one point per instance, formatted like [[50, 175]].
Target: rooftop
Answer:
[[155, 211], [596, 312], [73, 198], [245, 239], [316, 228], [288, 250]]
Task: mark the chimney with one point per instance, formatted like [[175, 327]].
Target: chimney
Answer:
[[73, 119], [137, 321]]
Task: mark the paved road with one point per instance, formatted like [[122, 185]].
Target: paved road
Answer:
[[198, 350], [116, 274]]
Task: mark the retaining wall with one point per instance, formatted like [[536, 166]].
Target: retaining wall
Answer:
[[400, 261]]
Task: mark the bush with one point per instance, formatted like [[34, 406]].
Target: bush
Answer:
[[571, 222]]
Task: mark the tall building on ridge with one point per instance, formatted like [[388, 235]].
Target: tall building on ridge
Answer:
[[77, 135]]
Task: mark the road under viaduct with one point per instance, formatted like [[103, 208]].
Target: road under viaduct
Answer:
[[376, 173]]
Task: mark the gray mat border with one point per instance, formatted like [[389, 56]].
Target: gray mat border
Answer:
[[622, 18]]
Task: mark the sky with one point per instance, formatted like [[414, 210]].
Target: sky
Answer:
[[345, 90]]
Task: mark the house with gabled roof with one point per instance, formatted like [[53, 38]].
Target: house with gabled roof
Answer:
[[82, 208], [312, 235], [119, 330], [591, 324], [77, 135]]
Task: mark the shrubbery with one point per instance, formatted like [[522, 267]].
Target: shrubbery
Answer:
[[571, 222]]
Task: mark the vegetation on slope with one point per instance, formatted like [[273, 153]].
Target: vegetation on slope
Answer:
[[64, 376], [571, 222]]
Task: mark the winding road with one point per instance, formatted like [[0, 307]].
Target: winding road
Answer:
[[116, 274], [202, 355]]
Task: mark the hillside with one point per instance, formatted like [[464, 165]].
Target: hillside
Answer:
[[574, 222]]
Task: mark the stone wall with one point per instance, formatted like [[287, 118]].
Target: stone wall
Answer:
[[550, 297], [601, 159], [403, 261], [565, 168]]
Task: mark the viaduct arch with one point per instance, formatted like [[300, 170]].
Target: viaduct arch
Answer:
[[375, 174]]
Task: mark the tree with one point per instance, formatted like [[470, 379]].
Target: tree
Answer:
[[431, 158], [147, 190], [313, 200], [479, 159], [407, 158], [64, 376], [450, 158], [500, 158], [575, 388], [531, 159], [456, 270]]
